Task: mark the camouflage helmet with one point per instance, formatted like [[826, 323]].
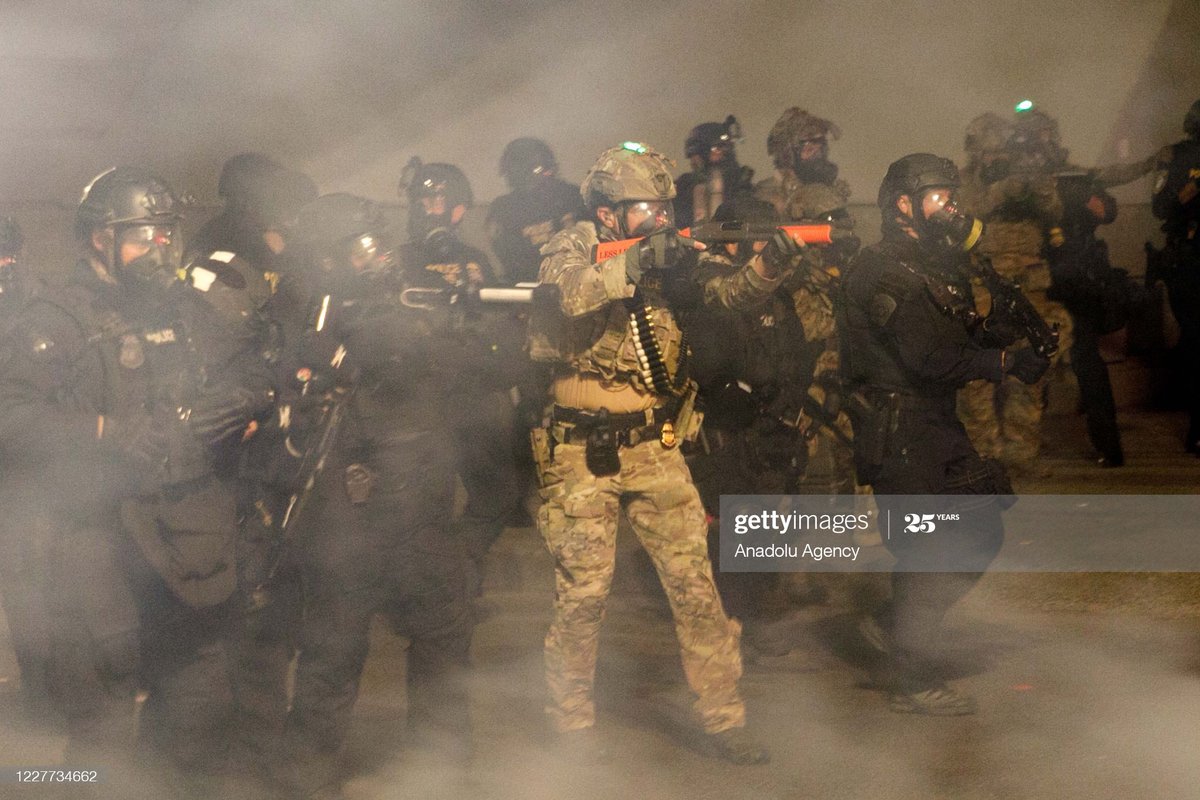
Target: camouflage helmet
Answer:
[[1035, 133], [987, 133], [629, 172], [792, 129], [1191, 122]]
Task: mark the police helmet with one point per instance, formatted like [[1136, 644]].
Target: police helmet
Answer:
[[631, 171], [789, 133], [526, 158], [429, 180], [126, 196], [914, 174], [711, 135]]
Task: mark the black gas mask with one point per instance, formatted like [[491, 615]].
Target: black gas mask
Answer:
[[947, 228], [146, 255]]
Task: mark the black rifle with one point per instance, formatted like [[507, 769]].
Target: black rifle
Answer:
[[1010, 304]]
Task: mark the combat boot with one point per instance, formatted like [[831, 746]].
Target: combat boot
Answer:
[[738, 746], [940, 701]]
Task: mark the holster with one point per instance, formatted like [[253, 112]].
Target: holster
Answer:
[[874, 417], [600, 448]]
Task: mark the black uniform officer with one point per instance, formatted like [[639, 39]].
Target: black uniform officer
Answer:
[[911, 339], [487, 350], [1096, 296], [22, 541], [125, 388], [716, 176], [539, 204], [1177, 204], [373, 537], [240, 262]]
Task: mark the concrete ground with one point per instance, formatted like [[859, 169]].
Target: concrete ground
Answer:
[[1088, 685]]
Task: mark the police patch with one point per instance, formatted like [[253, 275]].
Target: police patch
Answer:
[[881, 309]]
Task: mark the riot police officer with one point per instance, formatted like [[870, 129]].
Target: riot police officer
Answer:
[[373, 537], [539, 204], [911, 338], [1177, 204], [486, 347], [622, 402], [716, 176], [23, 544], [125, 387]]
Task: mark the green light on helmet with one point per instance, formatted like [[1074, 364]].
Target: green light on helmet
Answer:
[[1024, 105], [634, 147]]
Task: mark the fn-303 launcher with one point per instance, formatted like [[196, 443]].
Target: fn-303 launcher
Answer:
[[712, 232]]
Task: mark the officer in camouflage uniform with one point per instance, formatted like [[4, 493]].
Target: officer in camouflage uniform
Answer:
[[1177, 203], [622, 402], [806, 189], [716, 176], [1014, 190]]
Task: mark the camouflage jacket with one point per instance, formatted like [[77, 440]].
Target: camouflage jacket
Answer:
[[592, 333]]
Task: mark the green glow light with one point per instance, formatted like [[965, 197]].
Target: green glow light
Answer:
[[1024, 105], [636, 147]]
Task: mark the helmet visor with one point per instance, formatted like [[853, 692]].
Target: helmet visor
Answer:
[[644, 217], [148, 248]]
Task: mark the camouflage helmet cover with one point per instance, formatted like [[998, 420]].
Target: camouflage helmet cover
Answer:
[[630, 171], [987, 133], [795, 127]]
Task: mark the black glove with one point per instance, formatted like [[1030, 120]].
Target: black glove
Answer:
[[1001, 332], [1025, 365], [137, 437], [780, 251], [223, 411], [659, 250]]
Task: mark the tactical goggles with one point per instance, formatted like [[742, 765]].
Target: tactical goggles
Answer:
[[647, 216]]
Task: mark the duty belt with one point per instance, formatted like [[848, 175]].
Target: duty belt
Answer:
[[572, 425]]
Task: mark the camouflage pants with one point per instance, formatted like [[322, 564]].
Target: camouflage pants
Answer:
[[1005, 420], [578, 520]]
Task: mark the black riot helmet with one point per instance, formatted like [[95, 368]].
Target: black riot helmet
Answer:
[[914, 176], [343, 236], [708, 137], [526, 159], [242, 174], [433, 192], [138, 217], [1191, 121]]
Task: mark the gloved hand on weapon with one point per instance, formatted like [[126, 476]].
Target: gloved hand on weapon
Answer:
[[660, 250], [1025, 365], [137, 437], [780, 251], [223, 411]]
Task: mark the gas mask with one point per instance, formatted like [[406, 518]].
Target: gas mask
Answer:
[[147, 254], [644, 217], [947, 228]]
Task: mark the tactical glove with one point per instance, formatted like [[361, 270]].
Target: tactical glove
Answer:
[[1025, 365], [224, 411], [138, 438], [780, 251], [659, 250]]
